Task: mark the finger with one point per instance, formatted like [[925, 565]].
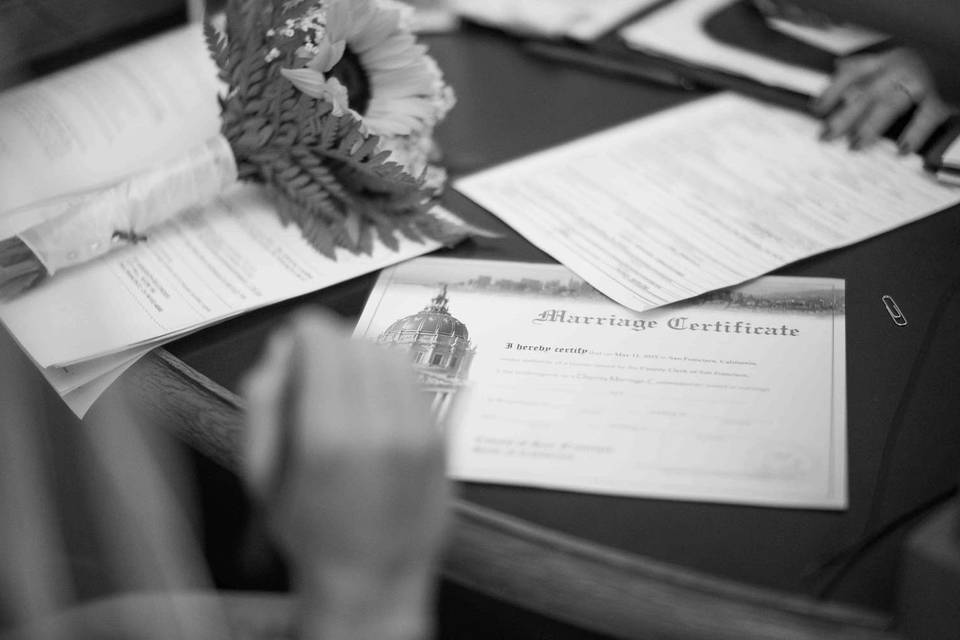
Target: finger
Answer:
[[930, 114], [376, 392], [322, 372], [850, 73], [333, 423], [879, 118], [411, 402], [264, 392], [844, 119]]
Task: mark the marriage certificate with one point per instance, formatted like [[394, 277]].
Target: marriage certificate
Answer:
[[737, 396], [703, 196]]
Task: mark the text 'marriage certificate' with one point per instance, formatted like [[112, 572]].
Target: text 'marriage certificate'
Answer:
[[737, 396]]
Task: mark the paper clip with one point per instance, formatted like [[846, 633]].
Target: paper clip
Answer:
[[895, 314]]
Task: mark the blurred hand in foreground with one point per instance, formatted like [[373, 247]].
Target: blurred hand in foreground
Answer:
[[349, 467], [869, 92]]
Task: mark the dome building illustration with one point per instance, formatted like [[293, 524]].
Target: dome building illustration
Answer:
[[438, 345]]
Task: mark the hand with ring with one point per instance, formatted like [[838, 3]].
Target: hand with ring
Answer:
[[869, 92]]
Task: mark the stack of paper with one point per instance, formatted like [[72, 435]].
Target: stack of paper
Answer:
[[85, 326]]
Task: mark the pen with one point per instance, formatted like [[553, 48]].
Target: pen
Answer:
[[608, 65]]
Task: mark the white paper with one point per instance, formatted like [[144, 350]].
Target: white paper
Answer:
[[67, 379], [91, 125], [676, 32], [951, 157], [739, 398], [701, 197], [23, 218], [552, 18], [838, 39], [135, 205], [81, 384], [82, 398], [949, 177], [205, 266]]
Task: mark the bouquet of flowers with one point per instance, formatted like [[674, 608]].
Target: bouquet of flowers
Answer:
[[330, 105]]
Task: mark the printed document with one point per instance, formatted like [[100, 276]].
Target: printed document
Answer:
[[199, 268], [736, 397], [701, 197]]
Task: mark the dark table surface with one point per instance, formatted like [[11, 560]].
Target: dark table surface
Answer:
[[903, 440]]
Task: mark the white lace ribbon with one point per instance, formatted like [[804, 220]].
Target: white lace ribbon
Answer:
[[125, 211]]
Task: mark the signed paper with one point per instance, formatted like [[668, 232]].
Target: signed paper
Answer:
[[703, 196], [738, 396], [200, 268]]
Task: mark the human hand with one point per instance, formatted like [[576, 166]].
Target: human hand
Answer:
[[349, 466], [870, 92]]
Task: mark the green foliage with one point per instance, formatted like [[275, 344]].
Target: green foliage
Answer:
[[327, 175]]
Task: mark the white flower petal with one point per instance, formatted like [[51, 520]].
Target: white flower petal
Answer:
[[407, 93], [405, 82], [339, 14], [330, 54], [378, 28], [308, 81], [393, 46], [315, 85]]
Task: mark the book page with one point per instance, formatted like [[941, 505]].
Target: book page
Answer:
[[736, 397], [701, 197], [201, 267], [95, 123]]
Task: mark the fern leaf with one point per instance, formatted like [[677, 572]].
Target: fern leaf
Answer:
[[216, 44]]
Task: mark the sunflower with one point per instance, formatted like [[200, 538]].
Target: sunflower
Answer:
[[331, 105], [361, 57]]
